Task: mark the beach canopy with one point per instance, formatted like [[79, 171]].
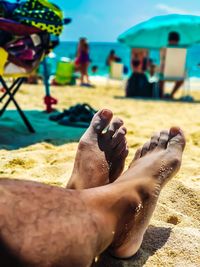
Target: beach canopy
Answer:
[[153, 33]]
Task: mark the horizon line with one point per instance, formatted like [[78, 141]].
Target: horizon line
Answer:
[[70, 41]]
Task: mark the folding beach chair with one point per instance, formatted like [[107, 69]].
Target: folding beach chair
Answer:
[[65, 72], [19, 57], [24, 42], [116, 71], [175, 65]]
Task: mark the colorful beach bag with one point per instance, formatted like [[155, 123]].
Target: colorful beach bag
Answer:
[[41, 14]]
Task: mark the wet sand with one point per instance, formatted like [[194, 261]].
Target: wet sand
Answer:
[[173, 239]]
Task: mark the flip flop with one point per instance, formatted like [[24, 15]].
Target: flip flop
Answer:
[[79, 115], [60, 115], [87, 109], [73, 121]]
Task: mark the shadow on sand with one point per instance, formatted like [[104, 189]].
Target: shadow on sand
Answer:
[[154, 239], [14, 134], [158, 100]]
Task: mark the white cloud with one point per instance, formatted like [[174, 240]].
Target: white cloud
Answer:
[[175, 10], [90, 18]]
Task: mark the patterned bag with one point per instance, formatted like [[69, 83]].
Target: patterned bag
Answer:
[[40, 14]]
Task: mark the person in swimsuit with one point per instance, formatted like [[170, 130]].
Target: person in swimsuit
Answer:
[[82, 61]]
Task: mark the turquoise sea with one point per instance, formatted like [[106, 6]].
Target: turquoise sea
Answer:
[[100, 51]]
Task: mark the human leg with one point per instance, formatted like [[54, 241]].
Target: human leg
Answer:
[[161, 88], [177, 85], [82, 73], [86, 72], [45, 226], [85, 66], [42, 225]]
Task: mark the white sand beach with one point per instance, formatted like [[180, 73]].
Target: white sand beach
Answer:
[[173, 238]]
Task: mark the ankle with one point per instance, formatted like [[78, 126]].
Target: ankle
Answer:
[[71, 185], [113, 200], [121, 199]]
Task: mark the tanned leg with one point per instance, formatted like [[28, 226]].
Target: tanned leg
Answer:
[[177, 85], [161, 88], [45, 226]]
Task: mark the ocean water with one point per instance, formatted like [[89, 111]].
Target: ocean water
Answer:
[[100, 51]]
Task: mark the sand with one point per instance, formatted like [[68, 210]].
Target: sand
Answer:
[[173, 238]]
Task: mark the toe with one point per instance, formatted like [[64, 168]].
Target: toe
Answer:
[[145, 148], [114, 126], [176, 140], [137, 154], [119, 136], [154, 141], [163, 139], [120, 148], [101, 120], [125, 152]]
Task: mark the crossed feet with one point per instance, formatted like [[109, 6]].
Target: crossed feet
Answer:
[[100, 160]]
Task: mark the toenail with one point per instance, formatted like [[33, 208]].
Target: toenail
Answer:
[[175, 130], [106, 114]]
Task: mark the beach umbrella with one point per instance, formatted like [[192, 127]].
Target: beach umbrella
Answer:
[[154, 32]]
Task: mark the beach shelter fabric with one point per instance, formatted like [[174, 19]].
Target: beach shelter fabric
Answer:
[[153, 33], [40, 14]]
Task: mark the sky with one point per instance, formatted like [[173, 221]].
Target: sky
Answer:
[[104, 20]]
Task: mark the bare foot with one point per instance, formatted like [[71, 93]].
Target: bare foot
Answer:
[[101, 153], [154, 165]]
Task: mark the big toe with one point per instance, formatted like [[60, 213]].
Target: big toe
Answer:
[[176, 140], [100, 121]]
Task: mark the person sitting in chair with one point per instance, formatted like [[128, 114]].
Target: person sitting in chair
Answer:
[[112, 57], [138, 84], [173, 40]]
